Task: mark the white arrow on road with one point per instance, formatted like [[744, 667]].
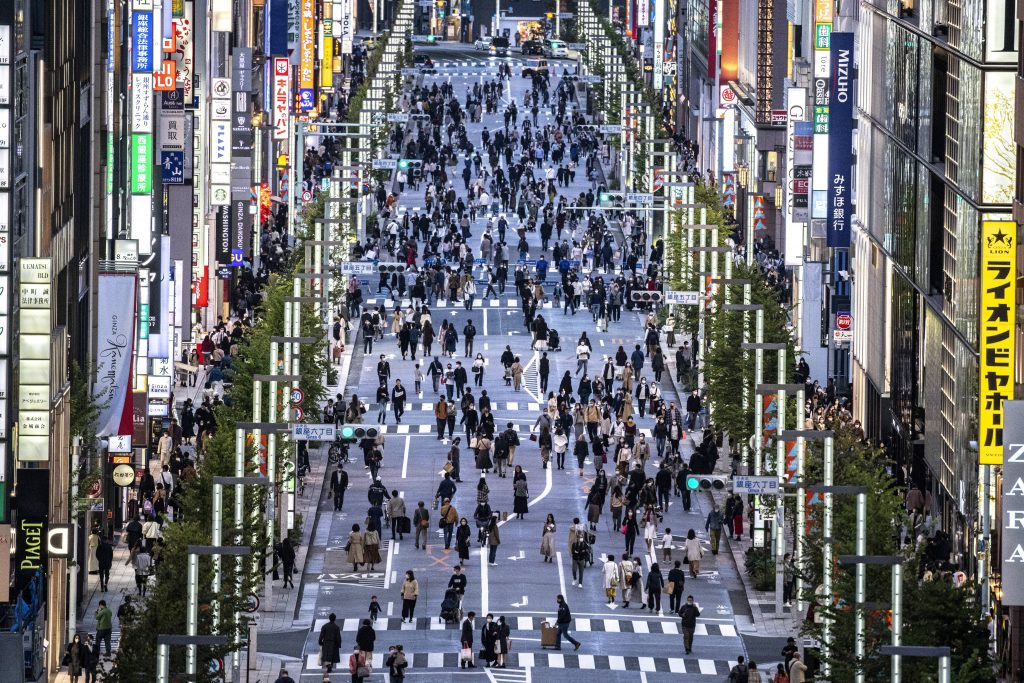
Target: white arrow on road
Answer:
[[524, 603], [520, 556]]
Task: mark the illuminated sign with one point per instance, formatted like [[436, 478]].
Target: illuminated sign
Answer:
[[307, 47], [840, 141], [282, 87], [1011, 524], [142, 41], [996, 334]]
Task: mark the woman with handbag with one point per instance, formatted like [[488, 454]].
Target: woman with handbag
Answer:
[[354, 547], [547, 539], [615, 502], [478, 370], [75, 658], [358, 665], [503, 642]]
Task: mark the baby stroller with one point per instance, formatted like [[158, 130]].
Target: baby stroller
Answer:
[[554, 342], [451, 607]]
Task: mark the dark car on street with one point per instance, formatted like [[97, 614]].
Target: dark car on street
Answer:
[[533, 47]]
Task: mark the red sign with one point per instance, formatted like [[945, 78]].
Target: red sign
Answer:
[[779, 117], [165, 81], [760, 214], [843, 321]]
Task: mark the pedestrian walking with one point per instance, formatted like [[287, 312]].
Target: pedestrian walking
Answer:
[[143, 570], [339, 484], [462, 536], [104, 561], [547, 539], [354, 547], [410, 593], [693, 552], [75, 656], [104, 626], [358, 665], [713, 525], [493, 541], [421, 521], [330, 643], [562, 622], [397, 663], [466, 641], [674, 586], [655, 584], [688, 613]]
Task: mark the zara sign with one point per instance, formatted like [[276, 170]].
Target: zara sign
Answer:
[[1011, 524]]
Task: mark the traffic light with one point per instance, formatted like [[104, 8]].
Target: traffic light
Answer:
[[390, 267], [413, 166], [358, 432], [706, 482], [645, 297]]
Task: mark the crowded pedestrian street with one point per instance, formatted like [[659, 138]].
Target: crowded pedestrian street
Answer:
[[497, 379]]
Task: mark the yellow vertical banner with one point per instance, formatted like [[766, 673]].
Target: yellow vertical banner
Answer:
[[327, 51], [996, 334]]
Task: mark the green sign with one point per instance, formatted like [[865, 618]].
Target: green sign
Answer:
[[821, 119], [142, 163], [822, 36]]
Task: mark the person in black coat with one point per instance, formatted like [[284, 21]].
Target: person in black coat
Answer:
[[365, 638], [544, 369], [488, 639], [466, 640], [677, 577], [286, 554], [330, 643], [104, 561]]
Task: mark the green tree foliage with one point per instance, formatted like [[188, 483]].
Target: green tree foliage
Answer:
[[934, 612]]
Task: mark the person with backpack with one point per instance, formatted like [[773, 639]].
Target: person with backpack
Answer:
[[738, 673]]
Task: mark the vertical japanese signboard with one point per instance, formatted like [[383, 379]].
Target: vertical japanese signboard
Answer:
[[996, 334], [142, 41], [840, 140], [282, 103], [1011, 524], [659, 43], [307, 48], [35, 325]]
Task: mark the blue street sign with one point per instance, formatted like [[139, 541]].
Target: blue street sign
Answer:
[[237, 258]]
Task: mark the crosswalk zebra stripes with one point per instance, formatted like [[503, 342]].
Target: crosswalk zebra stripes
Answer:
[[668, 627], [558, 660]]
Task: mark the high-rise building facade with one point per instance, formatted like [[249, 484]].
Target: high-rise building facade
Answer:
[[934, 163]]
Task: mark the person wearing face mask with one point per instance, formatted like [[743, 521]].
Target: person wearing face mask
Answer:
[[688, 613]]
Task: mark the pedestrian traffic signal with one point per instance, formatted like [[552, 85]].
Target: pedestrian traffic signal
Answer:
[[646, 297], [358, 432], [706, 482]]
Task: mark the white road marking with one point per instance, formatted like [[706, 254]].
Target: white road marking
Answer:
[[561, 573], [405, 457], [485, 589]]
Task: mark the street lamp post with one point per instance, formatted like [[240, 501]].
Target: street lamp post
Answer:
[[192, 605], [164, 642], [778, 530], [942, 652], [828, 437]]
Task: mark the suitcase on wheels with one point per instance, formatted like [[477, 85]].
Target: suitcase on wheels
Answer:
[[548, 635], [404, 525]]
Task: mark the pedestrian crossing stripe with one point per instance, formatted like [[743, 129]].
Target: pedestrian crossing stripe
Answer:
[[557, 660], [422, 429], [495, 406], [446, 304], [668, 627]]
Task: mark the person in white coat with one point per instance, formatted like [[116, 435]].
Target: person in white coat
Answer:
[[610, 572]]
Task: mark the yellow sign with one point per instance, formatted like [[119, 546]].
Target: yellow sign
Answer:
[[823, 11], [327, 51], [995, 334]]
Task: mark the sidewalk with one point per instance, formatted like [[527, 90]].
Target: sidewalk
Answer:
[[277, 613], [762, 603]]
